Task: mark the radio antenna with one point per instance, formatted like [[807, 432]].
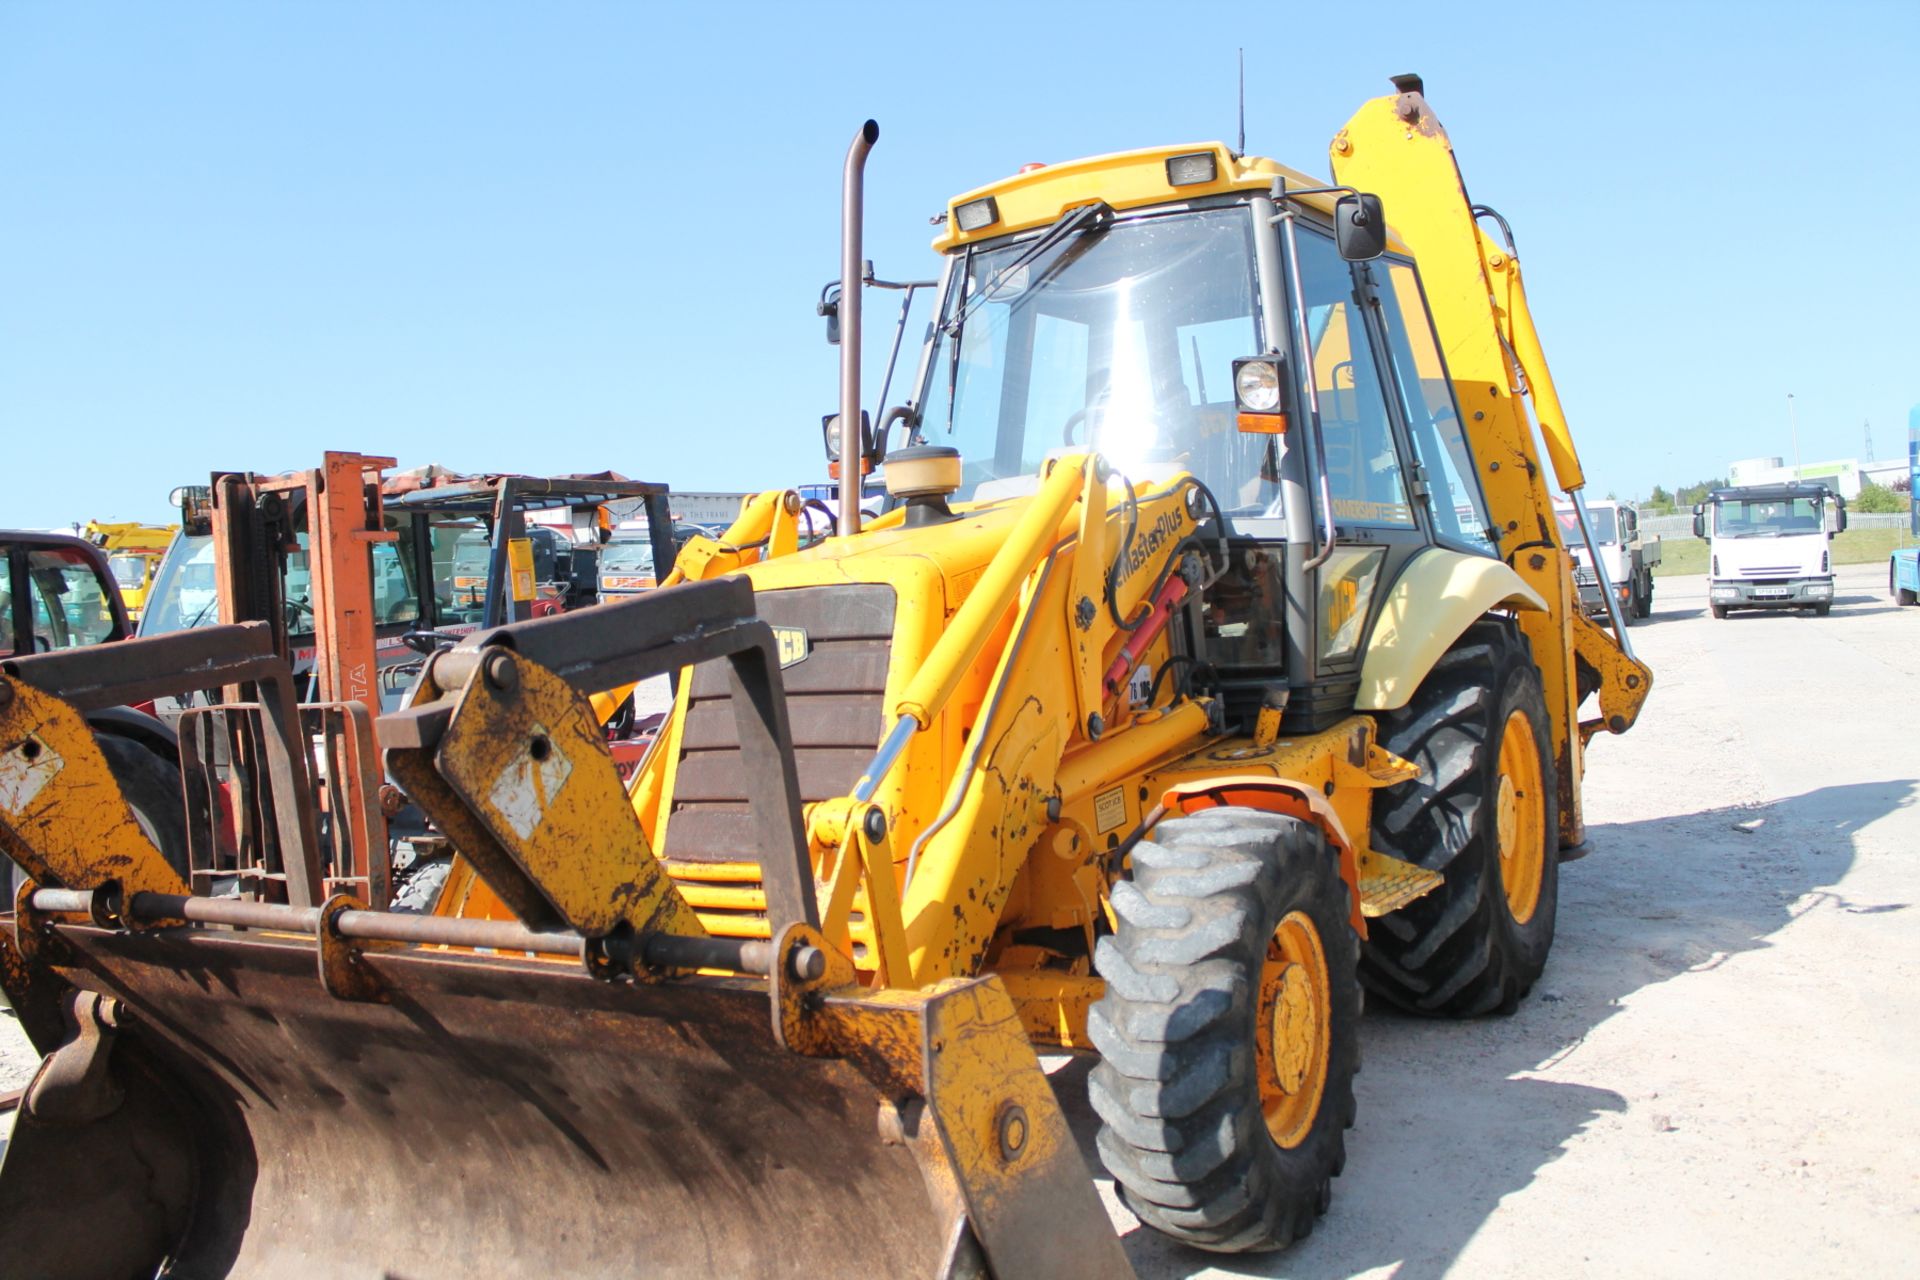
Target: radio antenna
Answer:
[[1242, 148]]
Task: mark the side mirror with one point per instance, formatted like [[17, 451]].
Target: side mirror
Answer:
[[1699, 520], [1839, 515], [829, 307], [1360, 227]]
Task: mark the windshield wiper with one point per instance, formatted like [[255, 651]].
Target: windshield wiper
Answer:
[[1095, 217]]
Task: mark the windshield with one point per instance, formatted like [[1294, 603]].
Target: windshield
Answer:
[[183, 590], [1121, 341], [470, 556], [627, 557], [128, 571], [1606, 529], [66, 597], [1767, 518]]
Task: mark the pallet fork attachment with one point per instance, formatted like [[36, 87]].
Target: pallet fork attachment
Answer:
[[262, 1088]]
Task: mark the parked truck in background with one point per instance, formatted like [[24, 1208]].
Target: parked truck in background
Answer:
[[133, 554], [1629, 558], [1768, 546]]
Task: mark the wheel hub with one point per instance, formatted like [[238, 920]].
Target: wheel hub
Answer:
[[1520, 817], [1294, 1036]]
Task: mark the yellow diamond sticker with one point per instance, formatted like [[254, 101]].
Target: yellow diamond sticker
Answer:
[[791, 644]]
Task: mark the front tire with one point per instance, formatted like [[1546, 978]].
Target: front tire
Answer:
[[1484, 813], [1719, 610], [1229, 1030]]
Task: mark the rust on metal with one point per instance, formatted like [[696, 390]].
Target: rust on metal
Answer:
[[597, 1116]]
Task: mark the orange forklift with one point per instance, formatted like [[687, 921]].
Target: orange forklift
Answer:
[[356, 573]]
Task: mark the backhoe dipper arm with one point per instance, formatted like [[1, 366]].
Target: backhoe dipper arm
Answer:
[[1395, 147]]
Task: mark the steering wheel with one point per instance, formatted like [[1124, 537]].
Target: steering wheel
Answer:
[[424, 641]]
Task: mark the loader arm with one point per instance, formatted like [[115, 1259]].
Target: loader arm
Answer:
[[1395, 147]]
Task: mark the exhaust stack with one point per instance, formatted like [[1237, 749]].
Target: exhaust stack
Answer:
[[852, 271]]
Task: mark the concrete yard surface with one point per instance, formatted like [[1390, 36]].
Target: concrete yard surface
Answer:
[[1715, 1076]]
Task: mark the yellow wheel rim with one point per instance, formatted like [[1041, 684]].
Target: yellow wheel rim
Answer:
[[1292, 1036], [1521, 818]]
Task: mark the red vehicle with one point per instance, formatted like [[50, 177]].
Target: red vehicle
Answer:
[[59, 593]]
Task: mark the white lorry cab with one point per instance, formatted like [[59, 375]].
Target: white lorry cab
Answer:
[[1767, 546], [1627, 557]]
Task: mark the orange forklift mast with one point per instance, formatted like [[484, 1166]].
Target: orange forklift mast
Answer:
[[336, 514]]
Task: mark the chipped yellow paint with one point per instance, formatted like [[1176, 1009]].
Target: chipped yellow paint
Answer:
[[530, 762], [62, 815]]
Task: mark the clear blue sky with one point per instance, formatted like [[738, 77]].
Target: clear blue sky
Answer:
[[565, 237]]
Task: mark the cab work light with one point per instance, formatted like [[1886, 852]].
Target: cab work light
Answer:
[[1256, 395], [1191, 170], [975, 214]]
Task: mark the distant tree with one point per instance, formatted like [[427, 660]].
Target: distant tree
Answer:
[[1659, 497], [1690, 494], [1902, 484], [1877, 499]]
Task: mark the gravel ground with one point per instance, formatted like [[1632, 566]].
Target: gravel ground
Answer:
[[1711, 1078]]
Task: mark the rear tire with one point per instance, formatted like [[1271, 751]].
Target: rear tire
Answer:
[[1229, 1030], [1483, 813]]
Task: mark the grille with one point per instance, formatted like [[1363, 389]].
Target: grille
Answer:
[[835, 700]]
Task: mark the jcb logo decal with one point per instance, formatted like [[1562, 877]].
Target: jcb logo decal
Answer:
[[791, 644]]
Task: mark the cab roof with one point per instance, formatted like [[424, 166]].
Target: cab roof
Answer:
[[1125, 180], [1773, 492]]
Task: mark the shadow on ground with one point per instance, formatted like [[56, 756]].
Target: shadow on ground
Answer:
[[1450, 1120]]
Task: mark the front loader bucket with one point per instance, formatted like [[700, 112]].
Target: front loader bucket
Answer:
[[486, 1117], [308, 1088]]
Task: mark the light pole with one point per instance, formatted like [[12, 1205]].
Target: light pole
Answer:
[[1794, 423]]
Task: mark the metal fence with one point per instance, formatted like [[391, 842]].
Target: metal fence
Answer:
[[1681, 526]]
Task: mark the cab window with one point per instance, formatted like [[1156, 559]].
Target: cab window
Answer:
[[69, 600], [1459, 511], [1363, 465]]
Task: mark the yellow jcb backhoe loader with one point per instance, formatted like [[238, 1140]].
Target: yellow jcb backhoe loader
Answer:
[[1218, 654]]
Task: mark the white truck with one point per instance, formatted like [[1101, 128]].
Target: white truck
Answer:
[[1627, 557], [1768, 546]]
